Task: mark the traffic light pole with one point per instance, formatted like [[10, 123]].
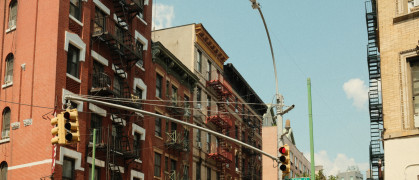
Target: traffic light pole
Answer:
[[279, 97], [117, 106]]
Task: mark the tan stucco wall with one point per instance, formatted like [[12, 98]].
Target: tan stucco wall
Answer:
[[180, 41], [269, 145], [402, 158]]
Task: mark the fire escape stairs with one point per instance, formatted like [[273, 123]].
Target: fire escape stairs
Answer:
[[375, 103]]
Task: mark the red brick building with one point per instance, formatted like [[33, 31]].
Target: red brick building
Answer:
[[171, 142], [97, 48]]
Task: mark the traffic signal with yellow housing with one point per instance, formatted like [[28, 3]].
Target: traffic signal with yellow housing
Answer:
[[284, 159], [58, 131], [71, 125]]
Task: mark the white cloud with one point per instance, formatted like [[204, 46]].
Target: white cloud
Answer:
[[356, 90], [163, 16], [339, 164]]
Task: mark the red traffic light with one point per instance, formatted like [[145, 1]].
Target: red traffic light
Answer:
[[282, 150]]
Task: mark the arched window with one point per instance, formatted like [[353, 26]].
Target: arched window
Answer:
[[8, 75], [3, 170], [6, 123], [12, 14]]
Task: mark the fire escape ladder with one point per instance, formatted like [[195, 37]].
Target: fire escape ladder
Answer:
[[124, 92], [121, 12], [115, 172], [375, 102]]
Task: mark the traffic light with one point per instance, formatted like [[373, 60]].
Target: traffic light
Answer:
[[72, 134], [285, 159], [58, 131]]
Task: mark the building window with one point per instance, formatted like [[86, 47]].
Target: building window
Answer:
[[236, 132], [6, 123], [68, 169], [97, 173], [172, 165], [3, 170], [118, 86], [12, 14], [198, 97], [208, 105], [96, 123], [208, 173], [159, 85], [198, 135], [414, 65], [209, 70], [208, 142], [185, 172], [8, 75], [73, 61], [167, 89], [137, 145], [157, 164], [158, 127], [236, 160], [198, 172], [173, 127], [199, 61], [140, 4], [174, 93], [99, 24], [139, 46], [75, 9], [217, 175]]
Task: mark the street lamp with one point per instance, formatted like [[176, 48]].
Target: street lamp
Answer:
[[279, 97]]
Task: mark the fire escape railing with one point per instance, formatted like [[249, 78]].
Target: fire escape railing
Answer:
[[375, 101]]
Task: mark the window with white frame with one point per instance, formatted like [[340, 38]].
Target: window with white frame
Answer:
[[8, 75], [12, 14], [68, 169], [73, 61], [75, 9], [6, 123]]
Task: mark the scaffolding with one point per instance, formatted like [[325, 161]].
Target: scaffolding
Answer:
[[375, 102]]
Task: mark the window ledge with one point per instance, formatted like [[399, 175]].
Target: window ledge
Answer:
[[75, 20], [138, 161], [8, 84], [142, 20], [11, 29], [141, 67], [73, 78], [406, 17], [5, 140]]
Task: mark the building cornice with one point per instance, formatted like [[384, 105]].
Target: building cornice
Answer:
[[210, 46]]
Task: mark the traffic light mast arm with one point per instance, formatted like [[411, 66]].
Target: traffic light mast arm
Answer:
[[117, 106]]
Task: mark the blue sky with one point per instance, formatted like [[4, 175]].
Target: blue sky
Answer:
[[324, 40]]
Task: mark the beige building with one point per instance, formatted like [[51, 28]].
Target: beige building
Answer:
[[300, 166], [397, 32], [218, 106]]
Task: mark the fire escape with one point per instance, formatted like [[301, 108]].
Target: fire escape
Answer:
[[222, 120], [375, 102], [114, 34], [178, 142]]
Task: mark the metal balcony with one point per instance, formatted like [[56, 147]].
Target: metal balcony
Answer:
[[220, 154], [221, 120], [117, 37], [101, 84], [177, 141]]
